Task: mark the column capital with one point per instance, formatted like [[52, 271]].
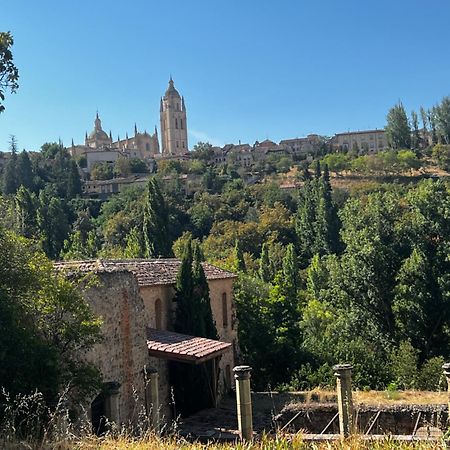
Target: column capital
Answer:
[[242, 372], [149, 370], [342, 369], [446, 369]]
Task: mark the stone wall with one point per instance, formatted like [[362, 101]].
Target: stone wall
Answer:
[[122, 353]]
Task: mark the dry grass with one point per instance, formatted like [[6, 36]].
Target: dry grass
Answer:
[[266, 443], [382, 398]]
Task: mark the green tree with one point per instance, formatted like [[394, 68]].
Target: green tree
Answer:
[[398, 130], [24, 171], [156, 223], [46, 325], [239, 257], [265, 272], [10, 184], [443, 120], [135, 245], [192, 383], [73, 181], [441, 154], [416, 139], [52, 222], [26, 205], [102, 171], [9, 74]]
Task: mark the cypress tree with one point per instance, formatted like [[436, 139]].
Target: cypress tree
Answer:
[[264, 264], [306, 218], [24, 171], [26, 204], [239, 256], [73, 181], [201, 291], [10, 175], [192, 383], [156, 223], [317, 171]]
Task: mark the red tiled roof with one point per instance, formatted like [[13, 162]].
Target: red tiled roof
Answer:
[[181, 347], [148, 272]]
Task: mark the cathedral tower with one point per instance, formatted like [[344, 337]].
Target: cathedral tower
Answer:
[[173, 122]]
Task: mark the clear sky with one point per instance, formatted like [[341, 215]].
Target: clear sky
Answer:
[[248, 69]]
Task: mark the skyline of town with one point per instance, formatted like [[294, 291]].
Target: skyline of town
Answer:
[[248, 71]]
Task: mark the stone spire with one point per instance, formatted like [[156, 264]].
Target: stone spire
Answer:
[[135, 129], [161, 105], [183, 107], [156, 131], [110, 135]]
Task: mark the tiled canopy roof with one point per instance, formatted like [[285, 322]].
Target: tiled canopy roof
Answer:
[[181, 347], [148, 272]]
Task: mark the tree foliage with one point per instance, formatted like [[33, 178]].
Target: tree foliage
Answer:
[[9, 74]]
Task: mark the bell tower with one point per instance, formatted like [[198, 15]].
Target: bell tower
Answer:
[[173, 122]]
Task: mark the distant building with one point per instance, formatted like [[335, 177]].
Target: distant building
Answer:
[[99, 147], [173, 122], [368, 141], [305, 146]]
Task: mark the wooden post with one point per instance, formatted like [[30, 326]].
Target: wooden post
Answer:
[[244, 401], [343, 373]]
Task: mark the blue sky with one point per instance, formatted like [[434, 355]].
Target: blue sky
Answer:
[[248, 69]]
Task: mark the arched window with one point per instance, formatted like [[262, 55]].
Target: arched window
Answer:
[[147, 146], [183, 144], [181, 123], [158, 314], [224, 310], [176, 124]]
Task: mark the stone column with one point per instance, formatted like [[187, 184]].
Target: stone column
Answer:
[[446, 370], [343, 373], [244, 401], [111, 390], [152, 397]]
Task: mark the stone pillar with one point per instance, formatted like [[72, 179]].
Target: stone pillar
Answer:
[[244, 401], [343, 373], [446, 370], [152, 397], [112, 412]]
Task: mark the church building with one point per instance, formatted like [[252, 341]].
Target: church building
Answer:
[[141, 145]]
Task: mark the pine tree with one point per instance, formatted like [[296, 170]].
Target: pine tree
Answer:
[[265, 272], [156, 223], [398, 130]]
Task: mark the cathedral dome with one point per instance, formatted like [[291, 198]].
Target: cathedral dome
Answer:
[[171, 91], [98, 135]]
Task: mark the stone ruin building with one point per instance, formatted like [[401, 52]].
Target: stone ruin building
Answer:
[[135, 300]]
